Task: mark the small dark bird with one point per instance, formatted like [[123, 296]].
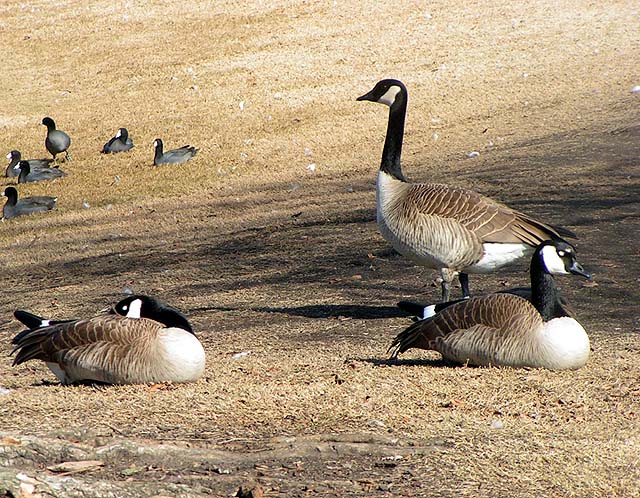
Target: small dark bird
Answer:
[[15, 157], [175, 156], [57, 141], [38, 175], [120, 143], [27, 205]]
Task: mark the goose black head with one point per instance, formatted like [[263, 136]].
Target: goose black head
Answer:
[[140, 306], [559, 258], [388, 92]]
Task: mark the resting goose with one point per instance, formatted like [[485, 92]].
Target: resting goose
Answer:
[[419, 311], [121, 142], [56, 141], [175, 156], [507, 329], [27, 205], [15, 157], [141, 340], [452, 229]]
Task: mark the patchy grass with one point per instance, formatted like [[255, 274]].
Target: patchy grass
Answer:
[[268, 257]]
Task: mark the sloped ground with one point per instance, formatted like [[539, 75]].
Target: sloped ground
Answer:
[[268, 257]]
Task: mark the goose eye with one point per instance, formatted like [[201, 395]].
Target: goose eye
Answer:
[[125, 307]]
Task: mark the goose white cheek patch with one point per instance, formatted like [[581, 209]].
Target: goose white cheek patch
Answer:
[[9, 155], [552, 261], [118, 135], [134, 309], [390, 96]]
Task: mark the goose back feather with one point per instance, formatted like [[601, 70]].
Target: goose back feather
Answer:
[[113, 349]]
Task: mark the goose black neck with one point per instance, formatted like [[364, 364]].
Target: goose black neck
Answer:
[[171, 317], [544, 293], [395, 133]]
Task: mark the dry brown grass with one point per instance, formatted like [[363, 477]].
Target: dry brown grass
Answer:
[[268, 257]]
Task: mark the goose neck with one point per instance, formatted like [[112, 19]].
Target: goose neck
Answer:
[[393, 141], [544, 293]]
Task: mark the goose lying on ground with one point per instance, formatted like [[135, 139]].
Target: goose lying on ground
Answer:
[[451, 229], [141, 340], [506, 329], [175, 156], [418, 311], [27, 205]]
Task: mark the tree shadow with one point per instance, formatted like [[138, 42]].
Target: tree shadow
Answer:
[[356, 311]]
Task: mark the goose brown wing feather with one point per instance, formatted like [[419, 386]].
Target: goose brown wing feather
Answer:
[[470, 329], [489, 220], [57, 343]]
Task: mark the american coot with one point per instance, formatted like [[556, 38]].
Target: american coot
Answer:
[[452, 229], [506, 329], [140, 341], [174, 156], [27, 205], [15, 157], [38, 175], [57, 141], [120, 143]]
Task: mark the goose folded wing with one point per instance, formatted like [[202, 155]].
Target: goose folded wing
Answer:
[[468, 329], [91, 339], [489, 220]]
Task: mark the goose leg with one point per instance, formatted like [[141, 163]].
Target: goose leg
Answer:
[[464, 283], [447, 277]]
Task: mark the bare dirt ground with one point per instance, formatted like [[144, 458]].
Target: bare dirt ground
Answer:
[[269, 257]]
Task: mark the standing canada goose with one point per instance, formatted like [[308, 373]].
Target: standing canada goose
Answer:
[[36, 175], [175, 156], [452, 229], [15, 157], [141, 340], [27, 205], [121, 142], [506, 329], [57, 141]]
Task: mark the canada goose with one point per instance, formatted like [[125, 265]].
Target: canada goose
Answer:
[[141, 340], [506, 329], [175, 156], [15, 157], [121, 142], [36, 175], [27, 205], [452, 229], [57, 141], [419, 311]]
